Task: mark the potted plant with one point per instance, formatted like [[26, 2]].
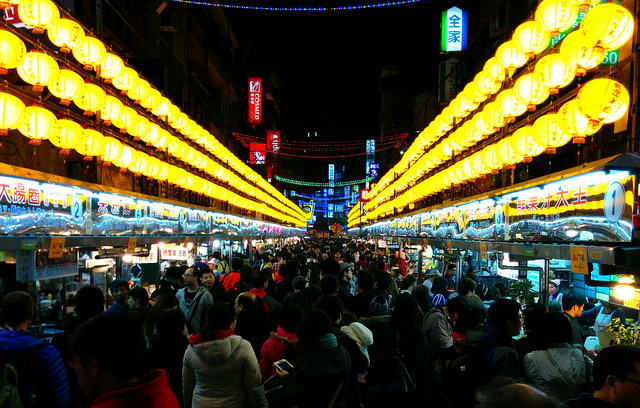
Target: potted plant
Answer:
[[523, 292], [619, 333]]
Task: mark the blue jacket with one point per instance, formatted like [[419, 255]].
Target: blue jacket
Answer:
[[48, 376]]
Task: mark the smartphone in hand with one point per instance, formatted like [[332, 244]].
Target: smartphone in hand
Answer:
[[283, 365]]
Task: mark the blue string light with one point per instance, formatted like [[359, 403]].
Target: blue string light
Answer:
[[303, 9], [330, 185]]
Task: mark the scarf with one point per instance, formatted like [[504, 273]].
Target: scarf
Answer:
[[327, 342]]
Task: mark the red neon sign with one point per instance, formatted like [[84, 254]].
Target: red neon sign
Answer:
[[255, 101]]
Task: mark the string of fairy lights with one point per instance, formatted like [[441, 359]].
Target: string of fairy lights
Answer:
[[327, 184], [302, 9]]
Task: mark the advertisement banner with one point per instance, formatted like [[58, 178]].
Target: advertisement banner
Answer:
[[273, 157], [257, 153], [117, 215], [255, 101], [453, 30]]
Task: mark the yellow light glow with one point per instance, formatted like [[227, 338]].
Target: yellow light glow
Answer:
[[66, 34], [11, 112], [39, 14], [611, 25], [90, 52], [38, 69], [37, 124], [603, 99], [12, 51]]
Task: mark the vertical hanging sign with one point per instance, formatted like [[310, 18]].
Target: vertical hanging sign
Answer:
[[453, 30], [273, 158], [255, 101]]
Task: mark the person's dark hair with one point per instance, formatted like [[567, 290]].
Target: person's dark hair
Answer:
[[89, 302], [204, 270], [554, 327], [170, 323], [617, 360], [118, 283], [532, 314], [17, 307], [251, 304], [313, 324], [383, 280], [331, 305], [465, 286], [167, 301], [140, 295], [115, 343], [482, 290], [440, 286], [220, 315], [289, 317], [195, 271], [236, 263], [330, 267], [407, 282], [284, 255], [173, 272], [258, 279], [468, 319], [457, 304], [373, 267], [571, 299], [452, 266], [366, 280], [502, 287], [246, 273], [503, 311], [329, 284], [504, 392], [493, 294], [292, 270]]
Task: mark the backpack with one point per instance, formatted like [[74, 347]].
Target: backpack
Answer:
[[14, 379], [223, 267]]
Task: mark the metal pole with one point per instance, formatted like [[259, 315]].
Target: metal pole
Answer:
[[544, 284]]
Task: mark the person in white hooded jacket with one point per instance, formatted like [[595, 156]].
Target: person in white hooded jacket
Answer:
[[219, 368], [559, 368]]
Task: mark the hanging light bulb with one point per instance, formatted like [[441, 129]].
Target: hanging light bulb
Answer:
[[554, 72], [38, 69], [610, 25], [37, 124], [581, 52], [574, 123], [66, 34], [531, 38], [530, 91], [11, 112], [603, 99], [39, 14], [12, 51], [67, 86]]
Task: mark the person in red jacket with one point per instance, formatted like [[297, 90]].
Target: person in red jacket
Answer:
[[283, 343], [108, 351], [229, 279]]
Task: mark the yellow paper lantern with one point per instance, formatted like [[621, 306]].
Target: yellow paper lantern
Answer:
[[481, 126], [66, 34], [154, 168], [189, 130], [509, 106], [163, 173], [574, 123], [510, 57], [67, 86], [11, 112], [127, 81], [163, 108], [140, 163], [494, 70], [490, 159], [603, 99], [530, 91], [111, 67], [547, 132], [174, 148], [506, 153], [112, 108], [39, 14], [581, 52], [524, 144], [140, 91], [37, 124], [554, 72], [163, 140], [125, 159], [556, 15], [152, 100], [38, 69], [531, 38], [179, 122], [127, 118], [93, 143], [471, 133], [492, 116], [92, 100], [473, 94], [8, 3], [173, 113], [90, 52], [67, 136], [112, 150], [140, 127], [152, 135], [486, 85], [460, 139], [611, 25], [12, 51], [478, 165]]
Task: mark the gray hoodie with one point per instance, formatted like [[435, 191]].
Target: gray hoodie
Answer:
[[222, 373]]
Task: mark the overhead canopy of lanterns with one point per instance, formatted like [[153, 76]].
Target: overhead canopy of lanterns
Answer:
[[147, 116], [461, 125]]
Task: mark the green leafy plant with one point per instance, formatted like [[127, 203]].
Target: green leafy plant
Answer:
[[523, 291], [627, 335]]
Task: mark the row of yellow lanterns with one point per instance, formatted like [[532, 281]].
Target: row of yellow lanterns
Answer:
[[548, 131], [38, 123], [39, 69], [551, 72], [606, 27]]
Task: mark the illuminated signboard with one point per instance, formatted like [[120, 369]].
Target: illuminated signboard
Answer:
[[273, 157], [257, 153], [454, 30], [117, 215], [332, 172], [178, 253], [255, 101]]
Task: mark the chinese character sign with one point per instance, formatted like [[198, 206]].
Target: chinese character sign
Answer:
[[454, 30], [255, 101]]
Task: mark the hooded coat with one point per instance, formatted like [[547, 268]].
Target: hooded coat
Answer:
[[222, 373]]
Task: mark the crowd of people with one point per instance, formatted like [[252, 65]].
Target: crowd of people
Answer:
[[320, 324]]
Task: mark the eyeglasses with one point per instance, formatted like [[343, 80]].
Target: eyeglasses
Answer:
[[629, 379], [186, 275]]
